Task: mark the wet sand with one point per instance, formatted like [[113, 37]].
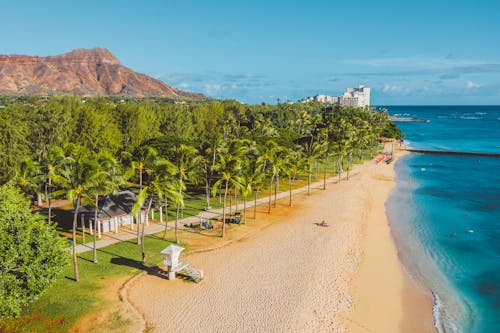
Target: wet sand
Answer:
[[295, 276], [384, 298]]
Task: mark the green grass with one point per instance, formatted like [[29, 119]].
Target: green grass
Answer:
[[67, 301]]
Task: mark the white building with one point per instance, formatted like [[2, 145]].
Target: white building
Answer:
[[355, 97], [358, 97]]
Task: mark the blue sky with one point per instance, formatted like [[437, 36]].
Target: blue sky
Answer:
[[409, 52]]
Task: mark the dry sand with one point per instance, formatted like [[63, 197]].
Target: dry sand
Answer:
[[294, 276]]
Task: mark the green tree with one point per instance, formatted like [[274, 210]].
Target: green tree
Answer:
[[13, 143], [106, 177], [29, 178], [74, 177], [294, 163], [98, 130], [266, 159], [185, 159], [55, 158], [32, 254], [251, 175], [144, 162], [52, 124], [228, 167], [159, 179]]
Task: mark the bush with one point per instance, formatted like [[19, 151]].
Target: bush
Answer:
[[32, 254]]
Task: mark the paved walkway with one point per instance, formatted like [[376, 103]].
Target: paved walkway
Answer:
[[153, 228]]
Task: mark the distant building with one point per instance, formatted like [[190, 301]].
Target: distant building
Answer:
[[355, 97]]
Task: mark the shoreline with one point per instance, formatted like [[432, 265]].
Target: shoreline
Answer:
[[381, 275], [316, 279]]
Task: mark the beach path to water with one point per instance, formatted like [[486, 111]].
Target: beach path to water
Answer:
[[292, 276]]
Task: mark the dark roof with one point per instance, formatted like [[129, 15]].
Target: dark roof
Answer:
[[112, 205]]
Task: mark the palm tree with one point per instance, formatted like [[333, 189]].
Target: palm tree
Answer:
[[29, 176], [294, 163], [146, 159], [228, 167], [106, 178], [251, 174], [323, 134], [55, 158], [312, 153], [185, 160], [137, 211], [74, 176], [342, 133], [160, 176], [267, 160]]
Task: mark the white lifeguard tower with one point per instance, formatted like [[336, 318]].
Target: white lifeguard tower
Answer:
[[171, 259]]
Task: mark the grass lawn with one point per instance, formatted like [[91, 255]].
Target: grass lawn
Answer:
[[67, 301]]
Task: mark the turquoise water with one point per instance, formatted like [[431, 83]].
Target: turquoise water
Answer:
[[445, 213]]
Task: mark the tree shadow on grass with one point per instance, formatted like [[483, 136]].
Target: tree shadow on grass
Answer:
[[155, 270], [85, 259]]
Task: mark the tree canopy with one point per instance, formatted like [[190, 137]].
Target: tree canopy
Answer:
[[32, 254]]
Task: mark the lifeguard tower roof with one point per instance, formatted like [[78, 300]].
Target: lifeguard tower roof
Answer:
[[171, 249]]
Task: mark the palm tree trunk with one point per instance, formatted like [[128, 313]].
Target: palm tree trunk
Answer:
[[270, 194], [339, 164], [245, 209], [177, 213], [207, 194], [349, 165], [39, 199], [276, 186], [139, 221], [95, 227], [224, 210], [324, 174], [290, 182], [309, 179], [48, 197], [230, 203], [236, 199], [166, 218], [177, 223], [144, 259], [75, 261], [255, 204], [140, 177]]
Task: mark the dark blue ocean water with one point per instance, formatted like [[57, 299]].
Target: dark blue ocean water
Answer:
[[445, 213]]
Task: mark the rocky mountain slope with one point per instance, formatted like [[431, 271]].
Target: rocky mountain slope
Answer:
[[85, 72]]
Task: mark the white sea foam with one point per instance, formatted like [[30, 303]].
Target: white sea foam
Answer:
[[469, 117], [442, 324]]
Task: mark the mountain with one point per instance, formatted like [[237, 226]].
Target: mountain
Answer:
[[85, 72]]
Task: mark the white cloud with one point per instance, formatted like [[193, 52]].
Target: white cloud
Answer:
[[395, 90], [213, 89], [415, 62], [472, 85]]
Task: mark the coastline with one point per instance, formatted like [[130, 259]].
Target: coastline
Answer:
[[292, 275], [385, 298]]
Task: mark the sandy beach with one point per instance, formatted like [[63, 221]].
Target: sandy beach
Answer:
[[295, 276]]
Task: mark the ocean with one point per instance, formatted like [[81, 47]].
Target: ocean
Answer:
[[445, 213]]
